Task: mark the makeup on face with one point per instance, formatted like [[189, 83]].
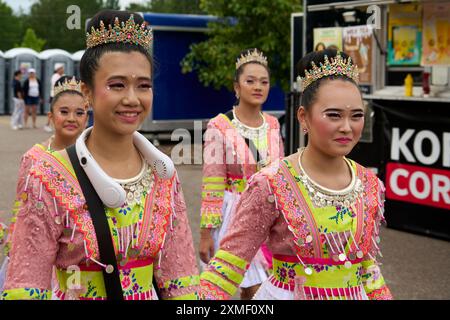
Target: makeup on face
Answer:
[[118, 83], [336, 113], [254, 84], [69, 115], [123, 92], [336, 119]]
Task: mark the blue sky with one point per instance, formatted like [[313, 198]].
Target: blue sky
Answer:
[[26, 4]]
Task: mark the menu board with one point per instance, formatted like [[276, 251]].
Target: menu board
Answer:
[[405, 34], [358, 44], [328, 37], [436, 34]]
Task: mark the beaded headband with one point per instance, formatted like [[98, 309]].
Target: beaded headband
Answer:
[[72, 85], [251, 56], [125, 32], [337, 66]]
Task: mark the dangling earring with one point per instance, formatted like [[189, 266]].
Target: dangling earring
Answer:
[[305, 131]]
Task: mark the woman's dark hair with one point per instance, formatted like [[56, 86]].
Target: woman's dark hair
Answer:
[[318, 45], [309, 94], [59, 82], [91, 57], [240, 70]]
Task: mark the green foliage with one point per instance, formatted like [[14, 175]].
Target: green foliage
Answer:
[[30, 40], [12, 28], [49, 19], [112, 4], [262, 24], [176, 6]]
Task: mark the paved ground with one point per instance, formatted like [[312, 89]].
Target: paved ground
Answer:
[[415, 267]]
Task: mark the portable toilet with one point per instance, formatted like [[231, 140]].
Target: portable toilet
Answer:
[[2, 83], [76, 58], [20, 59], [51, 58]]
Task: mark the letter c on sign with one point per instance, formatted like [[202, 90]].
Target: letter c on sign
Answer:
[[394, 179]]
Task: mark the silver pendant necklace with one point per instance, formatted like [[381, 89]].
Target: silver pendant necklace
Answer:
[[250, 132], [325, 197]]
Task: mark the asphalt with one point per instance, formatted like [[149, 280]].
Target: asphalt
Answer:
[[414, 266]]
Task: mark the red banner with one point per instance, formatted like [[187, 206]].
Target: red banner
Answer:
[[422, 185]]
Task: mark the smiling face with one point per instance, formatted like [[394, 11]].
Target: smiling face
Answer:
[[122, 94], [253, 84], [335, 120], [68, 116]]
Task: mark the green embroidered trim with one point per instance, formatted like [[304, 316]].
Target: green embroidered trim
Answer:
[[225, 285], [232, 259], [224, 270], [372, 277], [206, 195], [210, 220], [190, 296], [3, 230], [210, 186], [182, 282], [26, 294], [66, 164], [213, 179]]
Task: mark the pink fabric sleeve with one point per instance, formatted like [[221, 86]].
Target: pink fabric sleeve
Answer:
[[281, 147], [214, 178], [24, 170], [249, 228], [178, 275], [34, 241], [250, 225]]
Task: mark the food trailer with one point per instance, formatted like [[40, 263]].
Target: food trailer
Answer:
[[402, 49]]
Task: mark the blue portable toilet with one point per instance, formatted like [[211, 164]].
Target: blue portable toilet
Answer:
[[180, 99], [76, 58], [2, 83], [50, 58], [20, 59]]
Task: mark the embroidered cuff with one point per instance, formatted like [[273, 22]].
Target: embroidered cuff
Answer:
[[181, 288], [210, 291], [220, 267], [219, 282], [26, 294], [232, 259]]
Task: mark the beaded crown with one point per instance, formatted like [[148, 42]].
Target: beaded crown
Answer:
[[125, 32], [72, 85], [251, 56], [337, 66]]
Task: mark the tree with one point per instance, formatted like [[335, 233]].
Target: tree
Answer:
[[12, 28], [30, 40], [168, 6], [111, 4], [262, 24], [49, 19]]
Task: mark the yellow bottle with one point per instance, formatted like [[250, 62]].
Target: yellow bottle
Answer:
[[409, 85]]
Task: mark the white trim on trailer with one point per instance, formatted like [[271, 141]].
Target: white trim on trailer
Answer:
[[182, 29]]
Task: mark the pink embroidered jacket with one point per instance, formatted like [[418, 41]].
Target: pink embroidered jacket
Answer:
[[228, 163], [276, 207], [54, 228]]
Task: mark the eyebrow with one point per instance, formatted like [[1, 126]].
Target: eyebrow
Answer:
[[254, 77], [125, 78], [355, 109]]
